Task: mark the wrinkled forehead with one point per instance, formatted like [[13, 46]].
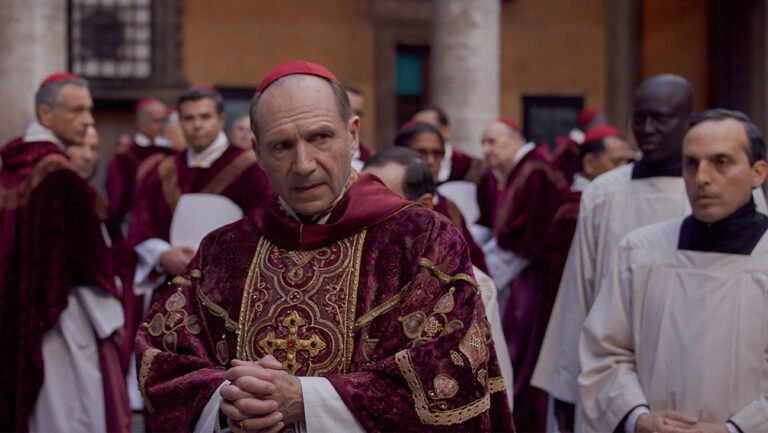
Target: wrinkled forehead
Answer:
[[295, 92]]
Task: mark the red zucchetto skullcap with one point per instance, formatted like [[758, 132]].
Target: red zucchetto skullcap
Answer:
[[143, 102], [511, 124], [601, 131], [292, 68], [586, 115], [58, 76]]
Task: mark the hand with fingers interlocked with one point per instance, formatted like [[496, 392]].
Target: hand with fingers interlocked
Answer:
[[261, 396]]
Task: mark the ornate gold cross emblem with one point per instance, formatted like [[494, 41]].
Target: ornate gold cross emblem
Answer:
[[292, 344]]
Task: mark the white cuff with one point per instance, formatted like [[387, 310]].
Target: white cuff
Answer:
[[732, 427], [629, 426], [103, 310], [324, 411], [148, 253], [504, 265], [208, 422]]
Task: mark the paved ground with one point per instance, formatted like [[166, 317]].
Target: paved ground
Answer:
[[137, 423]]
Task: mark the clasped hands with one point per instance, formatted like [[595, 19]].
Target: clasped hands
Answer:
[[670, 421], [261, 396]]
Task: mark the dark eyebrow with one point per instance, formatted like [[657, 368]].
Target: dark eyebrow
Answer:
[[722, 155], [322, 129]]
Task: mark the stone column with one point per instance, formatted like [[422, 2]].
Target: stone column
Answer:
[[621, 22], [466, 58], [33, 37]]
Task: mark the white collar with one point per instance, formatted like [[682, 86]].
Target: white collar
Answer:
[[577, 135], [524, 150], [37, 132], [211, 154], [144, 141], [445, 164], [580, 183]]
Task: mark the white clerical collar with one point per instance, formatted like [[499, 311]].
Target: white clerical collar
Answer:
[[577, 135], [320, 218], [144, 141], [580, 183], [445, 164], [357, 164], [524, 150], [37, 132], [207, 157]]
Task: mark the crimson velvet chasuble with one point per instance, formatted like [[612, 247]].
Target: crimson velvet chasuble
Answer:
[[49, 241], [121, 177], [380, 301]]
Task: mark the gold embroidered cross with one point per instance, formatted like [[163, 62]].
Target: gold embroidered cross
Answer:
[[292, 344]]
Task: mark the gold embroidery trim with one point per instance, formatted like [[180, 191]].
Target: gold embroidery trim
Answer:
[[149, 164], [352, 304], [169, 181], [146, 364], [553, 176], [449, 417], [247, 296], [181, 281], [233, 170], [445, 278], [369, 317], [217, 311], [496, 384], [11, 198]]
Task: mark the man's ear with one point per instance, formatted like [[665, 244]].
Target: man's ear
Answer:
[[45, 114], [759, 171], [448, 132], [426, 201], [588, 165], [354, 130]]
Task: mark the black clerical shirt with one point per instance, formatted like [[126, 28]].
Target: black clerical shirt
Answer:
[[738, 233]]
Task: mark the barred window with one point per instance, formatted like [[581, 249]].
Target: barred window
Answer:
[[111, 38]]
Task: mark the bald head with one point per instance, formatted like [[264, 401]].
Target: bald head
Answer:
[[660, 111], [150, 118], [500, 144], [340, 95]]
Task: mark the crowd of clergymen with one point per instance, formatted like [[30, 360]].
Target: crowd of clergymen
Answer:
[[622, 282]]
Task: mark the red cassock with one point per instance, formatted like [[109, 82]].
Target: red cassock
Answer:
[[566, 157], [465, 167], [365, 153], [121, 177], [121, 182], [379, 300], [520, 214], [50, 240]]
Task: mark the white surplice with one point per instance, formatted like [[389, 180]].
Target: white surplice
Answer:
[[611, 206], [72, 396], [677, 329]]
